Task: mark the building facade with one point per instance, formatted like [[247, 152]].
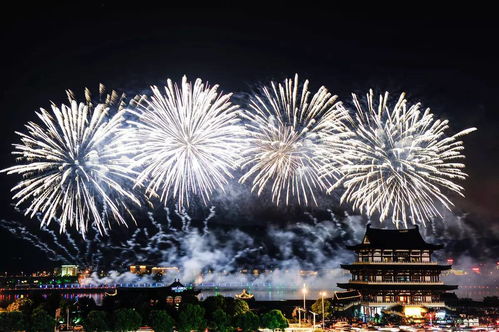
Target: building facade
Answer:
[[395, 267], [150, 269], [69, 270]]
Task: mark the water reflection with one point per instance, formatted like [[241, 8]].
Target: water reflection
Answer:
[[98, 297], [260, 295]]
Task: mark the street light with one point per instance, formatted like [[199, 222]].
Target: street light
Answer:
[[322, 296], [299, 316], [315, 314], [304, 290]]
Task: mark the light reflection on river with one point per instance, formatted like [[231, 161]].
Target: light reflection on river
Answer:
[[260, 295]]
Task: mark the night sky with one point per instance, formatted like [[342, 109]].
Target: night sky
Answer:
[[448, 63]]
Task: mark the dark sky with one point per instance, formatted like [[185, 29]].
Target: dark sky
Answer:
[[448, 63]]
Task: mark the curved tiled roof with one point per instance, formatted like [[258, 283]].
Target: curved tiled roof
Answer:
[[377, 238]]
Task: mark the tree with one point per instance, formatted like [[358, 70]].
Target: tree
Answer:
[[126, 320], [274, 319], [54, 301], [161, 321], [12, 321], [85, 305], [221, 320], [317, 307], [110, 303], [96, 321], [238, 307], [247, 321], [492, 301], [41, 321], [22, 304], [191, 317]]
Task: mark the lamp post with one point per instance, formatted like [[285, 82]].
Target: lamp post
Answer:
[[323, 313], [315, 314], [67, 319], [304, 302]]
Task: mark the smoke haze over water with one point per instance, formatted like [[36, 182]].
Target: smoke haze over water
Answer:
[[210, 253]]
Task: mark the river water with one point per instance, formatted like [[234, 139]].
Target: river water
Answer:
[[265, 295]]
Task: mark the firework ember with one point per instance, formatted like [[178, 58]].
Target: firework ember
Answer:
[[293, 135], [74, 165], [402, 161], [188, 141]]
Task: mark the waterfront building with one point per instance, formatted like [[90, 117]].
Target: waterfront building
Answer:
[[150, 269], [69, 270], [395, 267]]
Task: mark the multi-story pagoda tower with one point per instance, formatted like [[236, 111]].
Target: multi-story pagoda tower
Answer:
[[394, 267]]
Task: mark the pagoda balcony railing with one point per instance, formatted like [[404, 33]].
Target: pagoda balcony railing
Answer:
[[396, 262], [396, 282], [388, 304]]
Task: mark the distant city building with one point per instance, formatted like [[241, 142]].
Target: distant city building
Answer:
[[394, 267], [140, 269], [35, 282], [164, 270], [149, 269], [69, 270], [308, 273]]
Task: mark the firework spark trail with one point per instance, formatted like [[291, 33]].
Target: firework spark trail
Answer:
[[302, 246], [161, 236], [291, 139], [55, 239], [402, 162], [193, 250], [64, 248], [184, 218], [73, 244], [52, 234], [207, 219], [230, 264], [188, 140], [168, 219], [21, 232], [93, 256], [74, 165], [158, 225]]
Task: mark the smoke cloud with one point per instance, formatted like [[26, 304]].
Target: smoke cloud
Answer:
[[283, 256]]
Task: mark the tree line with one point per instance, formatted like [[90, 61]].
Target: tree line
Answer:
[[217, 313]]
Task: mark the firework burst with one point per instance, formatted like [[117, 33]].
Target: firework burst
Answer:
[[74, 165], [292, 136], [402, 162], [188, 141]]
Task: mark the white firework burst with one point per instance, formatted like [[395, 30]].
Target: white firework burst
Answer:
[[402, 162], [293, 135], [188, 141], [74, 165]]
